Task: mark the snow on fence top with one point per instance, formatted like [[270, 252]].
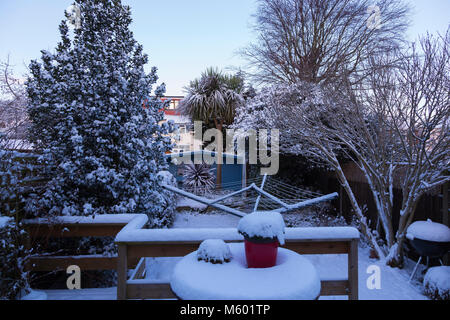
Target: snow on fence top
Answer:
[[97, 219], [229, 234], [175, 235], [428, 230], [315, 233], [133, 231]]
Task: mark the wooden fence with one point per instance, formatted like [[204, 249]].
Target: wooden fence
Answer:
[[430, 206]]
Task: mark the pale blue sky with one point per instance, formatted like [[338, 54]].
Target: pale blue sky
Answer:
[[181, 37]]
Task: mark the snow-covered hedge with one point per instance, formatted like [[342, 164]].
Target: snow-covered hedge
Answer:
[[437, 283], [13, 278], [166, 215], [17, 195], [262, 225]]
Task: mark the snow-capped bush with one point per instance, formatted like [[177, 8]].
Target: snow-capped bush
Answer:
[[167, 178], [166, 216], [13, 255], [16, 196], [198, 178], [214, 251], [437, 283], [96, 121], [262, 225]]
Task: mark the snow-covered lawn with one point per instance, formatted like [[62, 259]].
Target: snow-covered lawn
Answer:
[[394, 282]]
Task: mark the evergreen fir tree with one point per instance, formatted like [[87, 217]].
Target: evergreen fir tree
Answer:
[[88, 121]]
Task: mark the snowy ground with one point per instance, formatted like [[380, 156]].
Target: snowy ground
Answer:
[[394, 282]]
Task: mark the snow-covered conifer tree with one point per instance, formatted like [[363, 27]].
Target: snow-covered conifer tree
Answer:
[[88, 121]]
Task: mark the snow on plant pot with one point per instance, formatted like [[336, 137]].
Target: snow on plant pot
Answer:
[[429, 238], [214, 251], [263, 232]]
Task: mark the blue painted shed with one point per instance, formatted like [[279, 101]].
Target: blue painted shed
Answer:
[[233, 166]]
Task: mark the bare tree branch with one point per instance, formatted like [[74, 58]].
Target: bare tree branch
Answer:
[[321, 40]]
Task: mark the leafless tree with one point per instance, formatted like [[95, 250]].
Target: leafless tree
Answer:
[[321, 40], [416, 97], [394, 127], [13, 116], [321, 125]]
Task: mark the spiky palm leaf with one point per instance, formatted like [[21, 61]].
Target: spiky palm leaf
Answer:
[[213, 97], [198, 178]]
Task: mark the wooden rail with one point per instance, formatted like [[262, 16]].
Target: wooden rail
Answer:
[[68, 227], [135, 243]]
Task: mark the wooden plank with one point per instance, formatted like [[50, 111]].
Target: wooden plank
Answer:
[[122, 270], [325, 247], [139, 271], [73, 230], [136, 252], [49, 263], [163, 290], [150, 291], [353, 270], [334, 287]]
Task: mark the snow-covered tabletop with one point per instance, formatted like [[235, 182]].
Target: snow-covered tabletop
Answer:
[[292, 278]]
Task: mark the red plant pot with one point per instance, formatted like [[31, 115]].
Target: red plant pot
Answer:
[[261, 254]]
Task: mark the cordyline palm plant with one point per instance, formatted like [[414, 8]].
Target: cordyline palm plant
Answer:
[[198, 178], [213, 99]]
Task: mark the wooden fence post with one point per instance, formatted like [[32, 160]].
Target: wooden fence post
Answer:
[[353, 270], [122, 270]]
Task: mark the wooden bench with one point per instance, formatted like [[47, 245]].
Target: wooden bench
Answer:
[[135, 243]]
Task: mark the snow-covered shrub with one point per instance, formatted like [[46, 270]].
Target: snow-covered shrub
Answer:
[[198, 178], [214, 251], [16, 195], [166, 216], [95, 120], [437, 283], [262, 225], [13, 255]]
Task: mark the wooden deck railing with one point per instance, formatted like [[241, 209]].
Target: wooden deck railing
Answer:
[[40, 230], [135, 243]]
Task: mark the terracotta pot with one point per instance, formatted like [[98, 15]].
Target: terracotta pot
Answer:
[[261, 253]]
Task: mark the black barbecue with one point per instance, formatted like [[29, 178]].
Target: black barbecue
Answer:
[[431, 249], [428, 249]]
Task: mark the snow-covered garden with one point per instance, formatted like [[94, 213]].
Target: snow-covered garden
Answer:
[[95, 205], [393, 285]]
